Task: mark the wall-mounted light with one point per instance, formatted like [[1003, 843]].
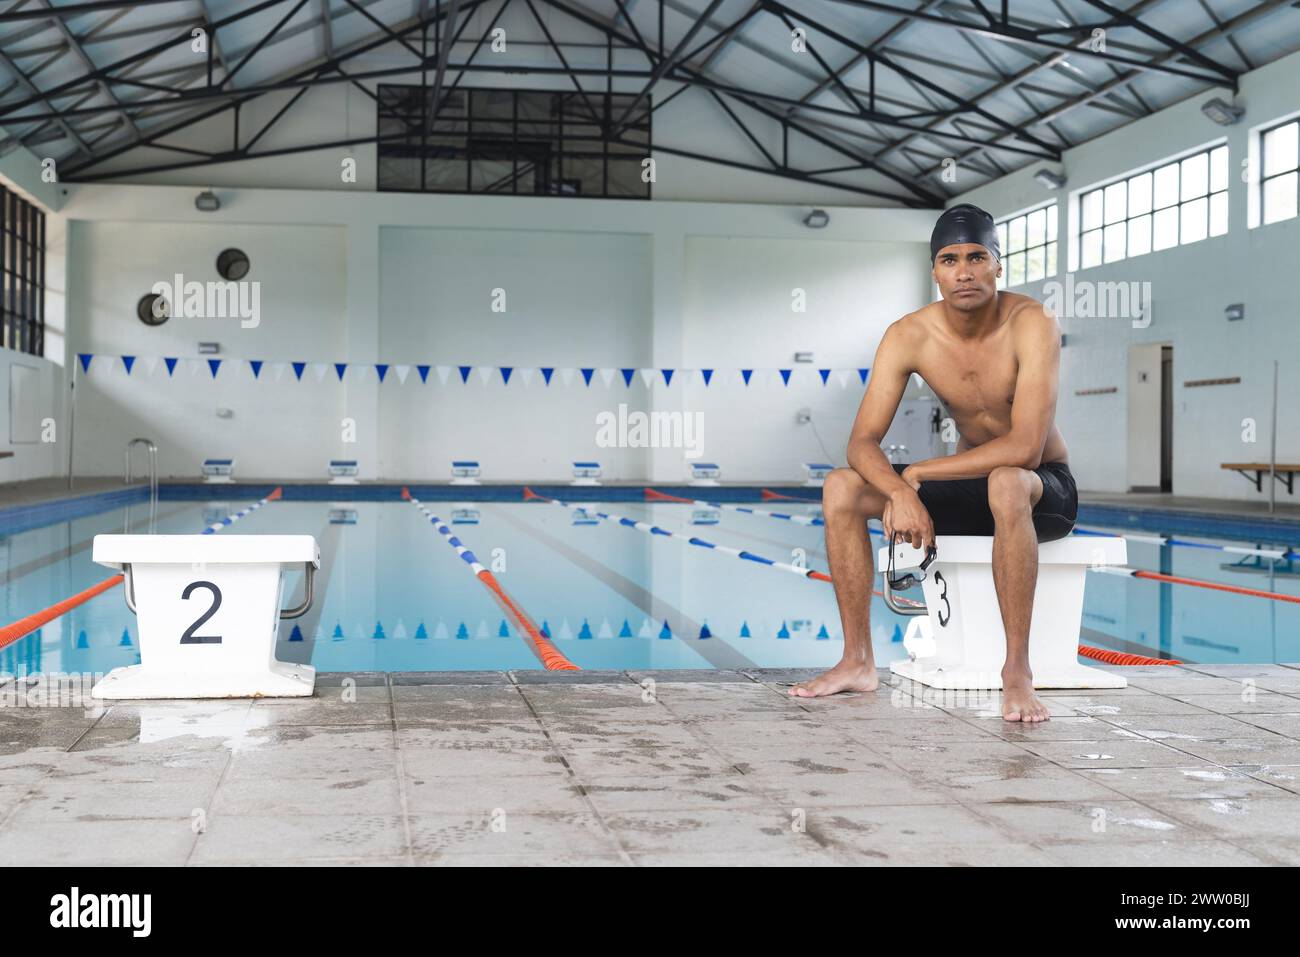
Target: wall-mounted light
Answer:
[[817, 219], [1049, 180], [1235, 312], [1222, 112], [207, 202]]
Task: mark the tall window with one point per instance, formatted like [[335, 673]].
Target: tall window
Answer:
[[22, 274], [1028, 244], [1175, 204], [535, 142], [1278, 185]]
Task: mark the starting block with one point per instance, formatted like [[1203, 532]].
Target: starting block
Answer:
[[208, 609], [817, 472], [465, 472], [343, 472], [705, 474], [960, 643], [586, 473], [218, 471]]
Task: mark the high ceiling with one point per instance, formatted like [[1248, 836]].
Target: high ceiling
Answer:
[[878, 96]]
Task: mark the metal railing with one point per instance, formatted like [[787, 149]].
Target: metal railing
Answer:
[[153, 478]]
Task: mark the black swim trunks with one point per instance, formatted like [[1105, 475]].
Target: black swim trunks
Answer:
[[961, 506]]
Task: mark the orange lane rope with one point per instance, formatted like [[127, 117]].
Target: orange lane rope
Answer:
[[1123, 657], [1216, 586], [550, 656], [25, 626]]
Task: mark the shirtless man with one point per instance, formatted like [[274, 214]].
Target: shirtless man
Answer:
[[992, 358]]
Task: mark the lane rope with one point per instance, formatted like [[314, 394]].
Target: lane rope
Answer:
[[1125, 571], [1123, 657], [232, 519], [546, 652], [25, 626], [653, 495], [1086, 650], [649, 529], [1281, 554]]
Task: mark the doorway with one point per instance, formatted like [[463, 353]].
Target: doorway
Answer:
[[1166, 419]]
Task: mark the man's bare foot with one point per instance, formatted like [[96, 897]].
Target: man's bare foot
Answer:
[[1019, 703], [846, 676]]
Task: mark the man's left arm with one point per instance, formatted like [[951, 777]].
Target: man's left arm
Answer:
[[1037, 337]]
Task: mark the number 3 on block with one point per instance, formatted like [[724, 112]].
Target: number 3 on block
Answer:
[[189, 638]]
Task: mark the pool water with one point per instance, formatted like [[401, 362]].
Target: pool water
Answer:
[[391, 594]]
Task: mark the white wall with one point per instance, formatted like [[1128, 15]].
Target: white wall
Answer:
[[273, 425], [20, 171], [570, 299], [380, 277], [740, 298], [1191, 286]]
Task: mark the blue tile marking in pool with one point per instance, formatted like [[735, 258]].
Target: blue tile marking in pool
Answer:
[[392, 601]]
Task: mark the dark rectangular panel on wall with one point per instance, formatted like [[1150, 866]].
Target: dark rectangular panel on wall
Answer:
[[513, 142], [22, 274]]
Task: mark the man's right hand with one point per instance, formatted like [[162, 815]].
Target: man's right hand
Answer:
[[905, 516]]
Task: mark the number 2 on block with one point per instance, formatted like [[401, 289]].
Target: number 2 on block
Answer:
[[189, 638]]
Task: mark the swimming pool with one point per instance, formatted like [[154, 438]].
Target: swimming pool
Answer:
[[392, 596]]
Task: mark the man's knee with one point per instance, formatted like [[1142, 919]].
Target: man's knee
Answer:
[[845, 492], [1010, 491]]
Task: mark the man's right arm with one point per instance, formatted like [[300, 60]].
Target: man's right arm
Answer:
[[889, 374]]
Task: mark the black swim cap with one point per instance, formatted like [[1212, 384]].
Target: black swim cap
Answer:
[[964, 223]]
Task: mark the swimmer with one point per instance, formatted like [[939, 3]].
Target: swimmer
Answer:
[[992, 358]]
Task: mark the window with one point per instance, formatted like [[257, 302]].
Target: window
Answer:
[[1172, 205], [534, 142], [1028, 244], [22, 274], [1281, 158]]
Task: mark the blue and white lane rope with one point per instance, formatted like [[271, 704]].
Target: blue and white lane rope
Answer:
[[548, 654], [688, 539], [1184, 543], [653, 495], [232, 519]]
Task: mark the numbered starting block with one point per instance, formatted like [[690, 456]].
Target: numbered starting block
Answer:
[[465, 472], [208, 609], [960, 642], [218, 471], [586, 473]]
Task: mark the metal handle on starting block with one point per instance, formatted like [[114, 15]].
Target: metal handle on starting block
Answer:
[[309, 570], [310, 576], [915, 608], [129, 587]]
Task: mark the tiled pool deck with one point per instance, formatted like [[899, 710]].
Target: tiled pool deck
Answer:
[[1187, 766]]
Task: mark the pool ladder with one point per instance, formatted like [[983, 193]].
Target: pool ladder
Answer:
[[153, 481]]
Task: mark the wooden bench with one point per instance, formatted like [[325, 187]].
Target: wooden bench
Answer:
[[1283, 473]]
